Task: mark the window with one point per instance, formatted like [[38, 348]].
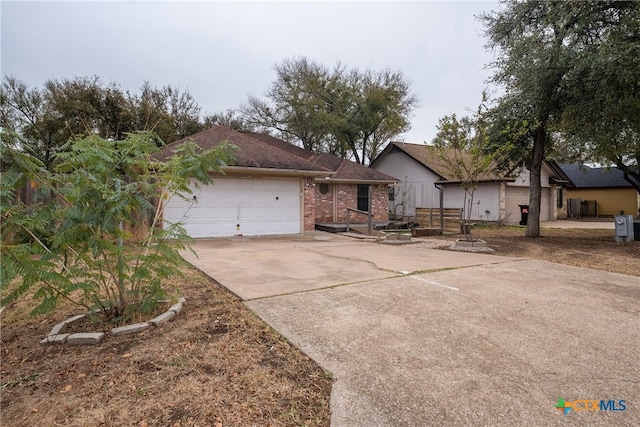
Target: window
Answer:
[[392, 193], [324, 188], [363, 197], [560, 196]]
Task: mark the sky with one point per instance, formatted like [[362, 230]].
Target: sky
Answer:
[[223, 51]]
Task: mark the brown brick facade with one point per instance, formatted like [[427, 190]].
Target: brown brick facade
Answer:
[[324, 203], [309, 205], [332, 206]]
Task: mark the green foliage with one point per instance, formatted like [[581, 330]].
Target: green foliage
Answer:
[[299, 103], [46, 118], [532, 38], [568, 68], [347, 113], [468, 154], [376, 108], [230, 118], [602, 94], [75, 244]]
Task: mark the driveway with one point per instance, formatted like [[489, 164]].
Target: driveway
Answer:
[[417, 336], [259, 267]]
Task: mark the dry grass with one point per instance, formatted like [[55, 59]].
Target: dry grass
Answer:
[[216, 364], [589, 248]]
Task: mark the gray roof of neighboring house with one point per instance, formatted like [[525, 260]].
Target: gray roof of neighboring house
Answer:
[[587, 177]]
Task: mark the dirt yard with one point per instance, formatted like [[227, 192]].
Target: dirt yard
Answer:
[[589, 248], [216, 364]]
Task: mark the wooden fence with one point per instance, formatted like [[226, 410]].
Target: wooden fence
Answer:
[[137, 227], [430, 218]]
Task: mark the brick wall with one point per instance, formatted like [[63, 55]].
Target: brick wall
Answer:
[[324, 203], [309, 205], [347, 197], [381, 202]]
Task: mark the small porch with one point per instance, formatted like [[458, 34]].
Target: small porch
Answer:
[[341, 227]]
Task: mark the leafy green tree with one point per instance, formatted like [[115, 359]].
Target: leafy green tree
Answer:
[[466, 149], [533, 58], [27, 113], [348, 113], [87, 106], [299, 103], [602, 113], [168, 112], [375, 107], [541, 46], [44, 119], [77, 245], [230, 118]]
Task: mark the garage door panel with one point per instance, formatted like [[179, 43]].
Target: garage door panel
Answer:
[[225, 197], [260, 206], [175, 214]]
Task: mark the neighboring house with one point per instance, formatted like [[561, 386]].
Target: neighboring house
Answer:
[[497, 198], [598, 191], [273, 188]]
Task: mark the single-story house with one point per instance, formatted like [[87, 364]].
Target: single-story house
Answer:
[[596, 191], [422, 173], [274, 187]]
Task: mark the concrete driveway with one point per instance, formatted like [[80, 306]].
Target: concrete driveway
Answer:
[[259, 267], [415, 336]]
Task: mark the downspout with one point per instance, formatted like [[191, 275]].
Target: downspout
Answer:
[[440, 190]]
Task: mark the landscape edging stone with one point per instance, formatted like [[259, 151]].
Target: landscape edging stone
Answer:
[[58, 335]]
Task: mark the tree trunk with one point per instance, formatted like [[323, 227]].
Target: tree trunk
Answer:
[[535, 183]]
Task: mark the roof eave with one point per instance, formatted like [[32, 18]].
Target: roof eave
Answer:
[[355, 181], [244, 170], [484, 181]]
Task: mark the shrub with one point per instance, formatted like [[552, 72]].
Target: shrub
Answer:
[[70, 240]]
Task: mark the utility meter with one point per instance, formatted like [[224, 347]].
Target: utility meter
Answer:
[[624, 228]]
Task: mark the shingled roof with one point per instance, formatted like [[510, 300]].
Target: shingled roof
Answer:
[[283, 145], [583, 176], [265, 152], [345, 170], [251, 152], [426, 155]]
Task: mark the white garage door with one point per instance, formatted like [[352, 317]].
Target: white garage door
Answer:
[[233, 206]]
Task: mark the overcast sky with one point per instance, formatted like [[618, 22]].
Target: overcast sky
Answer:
[[221, 52]]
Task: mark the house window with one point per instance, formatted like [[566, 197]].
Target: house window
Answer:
[[324, 188], [560, 197], [363, 197], [392, 193]]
